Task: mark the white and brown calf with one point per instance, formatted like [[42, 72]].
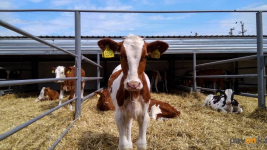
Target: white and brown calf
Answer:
[[159, 110], [224, 102], [67, 85], [47, 94], [129, 86]]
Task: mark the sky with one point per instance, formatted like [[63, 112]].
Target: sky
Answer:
[[122, 24]]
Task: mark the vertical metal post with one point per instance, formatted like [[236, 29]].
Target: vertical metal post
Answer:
[[78, 61], [260, 61], [194, 72], [98, 71]]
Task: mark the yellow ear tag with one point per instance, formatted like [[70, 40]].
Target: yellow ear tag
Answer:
[[68, 72], [53, 71], [98, 95], [108, 53], [155, 54], [218, 93]]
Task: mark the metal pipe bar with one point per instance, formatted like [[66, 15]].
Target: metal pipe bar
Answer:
[[247, 68], [16, 129], [15, 29], [78, 62], [128, 11], [230, 76], [98, 71], [91, 78], [248, 95], [260, 62], [194, 72], [90, 95], [31, 81], [207, 89], [90, 61], [228, 60], [63, 134]]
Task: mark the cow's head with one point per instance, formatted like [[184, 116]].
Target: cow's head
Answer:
[[104, 97], [46, 91], [42, 94], [133, 55], [62, 72], [228, 95]]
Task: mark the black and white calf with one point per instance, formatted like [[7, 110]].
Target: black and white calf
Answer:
[[224, 102]]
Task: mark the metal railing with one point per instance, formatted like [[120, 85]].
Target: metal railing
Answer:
[[79, 57], [261, 62], [78, 78]]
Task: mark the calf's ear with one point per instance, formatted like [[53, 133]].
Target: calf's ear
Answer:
[[157, 45], [69, 69], [114, 46], [53, 69], [96, 93]]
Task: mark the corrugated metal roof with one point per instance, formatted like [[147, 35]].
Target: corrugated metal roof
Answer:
[[19, 45]]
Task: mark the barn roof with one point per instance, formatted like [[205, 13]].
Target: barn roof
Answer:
[[21, 45]]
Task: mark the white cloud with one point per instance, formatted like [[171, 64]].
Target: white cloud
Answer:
[[60, 2], [6, 5], [35, 1], [160, 17]]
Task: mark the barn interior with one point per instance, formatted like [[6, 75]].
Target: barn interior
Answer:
[[34, 60], [194, 129]]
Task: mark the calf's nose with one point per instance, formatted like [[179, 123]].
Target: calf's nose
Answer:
[[106, 103], [133, 84], [228, 103]]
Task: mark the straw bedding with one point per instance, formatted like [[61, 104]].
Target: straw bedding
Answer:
[[196, 128]]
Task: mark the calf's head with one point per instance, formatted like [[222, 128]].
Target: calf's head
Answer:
[[133, 55], [61, 72], [104, 97], [228, 95]]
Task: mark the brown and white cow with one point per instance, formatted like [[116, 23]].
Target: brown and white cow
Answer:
[[157, 110], [47, 94], [159, 76], [160, 110], [129, 87], [67, 85], [104, 102]]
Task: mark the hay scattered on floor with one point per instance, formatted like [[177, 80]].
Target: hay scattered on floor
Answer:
[[16, 109], [197, 128]]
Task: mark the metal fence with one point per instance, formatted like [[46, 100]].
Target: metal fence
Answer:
[[78, 78], [261, 63], [79, 58]]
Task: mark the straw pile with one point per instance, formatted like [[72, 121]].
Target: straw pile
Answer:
[[197, 128]]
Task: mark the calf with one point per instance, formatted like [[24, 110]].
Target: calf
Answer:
[[129, 86], [47, 94], [224, 102], [67, 85], [162, 110], [157, 109], [104, 102], [159, 76]]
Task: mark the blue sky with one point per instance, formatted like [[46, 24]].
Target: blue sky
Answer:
[[56, 23]]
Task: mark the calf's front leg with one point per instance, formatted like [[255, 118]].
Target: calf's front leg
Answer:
[[143, 122], [61, 95]]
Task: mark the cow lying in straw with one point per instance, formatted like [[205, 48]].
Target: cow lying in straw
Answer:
[[157, 110], [104, 102], [224, 102], [47, 94], [160, 110]]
